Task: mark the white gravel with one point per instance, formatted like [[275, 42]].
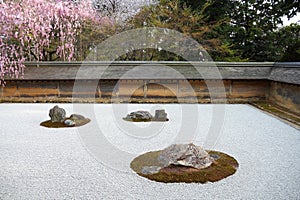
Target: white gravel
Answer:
[[43, 163]]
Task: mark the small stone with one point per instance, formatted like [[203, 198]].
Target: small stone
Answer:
[[150, 170], [161, 115], [69, 122], [57, 114], [215, 156], [77, 117]]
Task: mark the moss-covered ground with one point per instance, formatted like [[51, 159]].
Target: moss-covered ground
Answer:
[[220, 169], [279, 112], [50, 124]]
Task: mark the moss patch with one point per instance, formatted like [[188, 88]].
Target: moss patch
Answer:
[[279, 112], [50, 124], [220, 169], [144, 120], [136, 120]]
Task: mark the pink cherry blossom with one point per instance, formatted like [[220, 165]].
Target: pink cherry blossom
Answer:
[[29, 28]]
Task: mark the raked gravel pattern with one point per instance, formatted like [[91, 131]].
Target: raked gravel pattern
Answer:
[[42, 163]]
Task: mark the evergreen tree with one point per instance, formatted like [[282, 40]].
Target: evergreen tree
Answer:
[[289, 45], [194, 19], [254, 27]]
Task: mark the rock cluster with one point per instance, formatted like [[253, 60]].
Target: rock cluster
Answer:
[[145, 116], [58, 114]]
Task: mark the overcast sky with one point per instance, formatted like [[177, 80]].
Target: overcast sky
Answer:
[[287, 22]]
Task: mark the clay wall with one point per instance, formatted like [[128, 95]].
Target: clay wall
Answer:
[[278, 83]]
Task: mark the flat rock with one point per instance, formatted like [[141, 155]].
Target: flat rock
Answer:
[[150, 170], [139, 116], [77, 117]]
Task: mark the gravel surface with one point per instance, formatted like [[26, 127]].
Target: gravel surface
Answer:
[[93, 161]]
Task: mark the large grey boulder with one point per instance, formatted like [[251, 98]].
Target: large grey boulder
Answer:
[[139, 116], [185, 155], [57, 114]]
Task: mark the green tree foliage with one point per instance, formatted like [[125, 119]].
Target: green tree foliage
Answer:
[[289, 43], [254, 27], [230, 30], [192, 18], [91, 35], [213, 10]]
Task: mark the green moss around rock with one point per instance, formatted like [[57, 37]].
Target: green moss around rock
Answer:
[[223, 167], [136, 120], [50, 124]]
